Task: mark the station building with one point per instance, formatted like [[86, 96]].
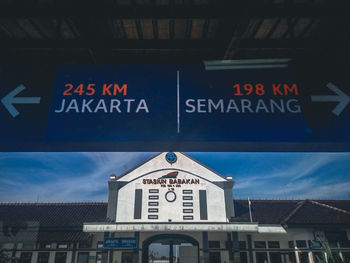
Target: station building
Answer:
[[173, 209]]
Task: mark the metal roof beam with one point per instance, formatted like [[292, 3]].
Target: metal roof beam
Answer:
[[259, 10], [176, 44]]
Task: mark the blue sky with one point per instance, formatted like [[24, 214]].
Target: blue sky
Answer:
[[73, 177]]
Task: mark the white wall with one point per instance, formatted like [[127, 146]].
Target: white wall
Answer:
[[170, 210], [183, 162]]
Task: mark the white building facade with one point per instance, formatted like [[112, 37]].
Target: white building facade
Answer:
[[173, 209], [174, 201]]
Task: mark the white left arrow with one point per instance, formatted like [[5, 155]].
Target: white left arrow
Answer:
[[341, 97], [10, 99]]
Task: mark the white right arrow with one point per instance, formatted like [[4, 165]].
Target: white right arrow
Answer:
[[341, 97]]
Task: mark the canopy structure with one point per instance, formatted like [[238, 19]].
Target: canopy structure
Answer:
[[114, 31]]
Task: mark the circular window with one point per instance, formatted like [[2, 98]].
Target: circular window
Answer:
[[170, 196]]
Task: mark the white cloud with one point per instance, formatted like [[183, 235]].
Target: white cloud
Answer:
[[292, 171], [330, 191], [88, 187]]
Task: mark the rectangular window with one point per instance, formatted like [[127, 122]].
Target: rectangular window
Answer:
[[26, 257], [153, 197], [261, 257], [259, 244], [83, 257], [187, 204], [344, 243], [228, 244], [188, 217], [275, 257], [6, 245], [84, 244], [153, 203], [333, 244], [336, 236], [153, 191], [152, 210], [187, 211], [203, 205], [291, 244], [60, 257], [43, 257], [187, 197], [62, 246], [152, 216], [242, 245], [28, 246], [301, 244], [45, 245], [273, 244], [244, 257], [214, 244], [314, 244], [138, 204], [187, 192]]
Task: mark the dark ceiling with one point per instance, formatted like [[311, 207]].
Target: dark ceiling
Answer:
[[112, 31]]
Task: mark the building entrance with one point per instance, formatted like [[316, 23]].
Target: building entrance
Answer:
[[170, 248]]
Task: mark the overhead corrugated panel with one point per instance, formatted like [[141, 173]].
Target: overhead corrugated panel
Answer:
[[266, 28], [147, 28], [197, 28], [163, 28], [281, 29], [130, 28]]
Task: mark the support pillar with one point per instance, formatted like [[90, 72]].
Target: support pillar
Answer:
[[136, 254], [171, 252], [110, 251], [236, 255], [205, 247], [250, 248], [74, 252], [229, 248]]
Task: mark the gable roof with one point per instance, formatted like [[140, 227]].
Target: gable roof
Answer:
[[52, 214], [70, 217], [184, 162], [294, 213], [48, 222], [317, 212]]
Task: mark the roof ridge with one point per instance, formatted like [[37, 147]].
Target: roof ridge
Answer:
[[204, 165], [330, 207], [293, 212], [137, 166]]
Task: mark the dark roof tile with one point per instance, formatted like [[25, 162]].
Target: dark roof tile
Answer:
[[59, 216], [52, 214]]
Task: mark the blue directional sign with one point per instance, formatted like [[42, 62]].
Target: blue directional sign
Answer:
[[120, 243], [213, 106]]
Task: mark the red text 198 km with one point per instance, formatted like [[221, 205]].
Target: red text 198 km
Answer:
[[279, 89]]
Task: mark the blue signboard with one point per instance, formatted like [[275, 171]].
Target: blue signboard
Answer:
[[213, 106], [120, 243]]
